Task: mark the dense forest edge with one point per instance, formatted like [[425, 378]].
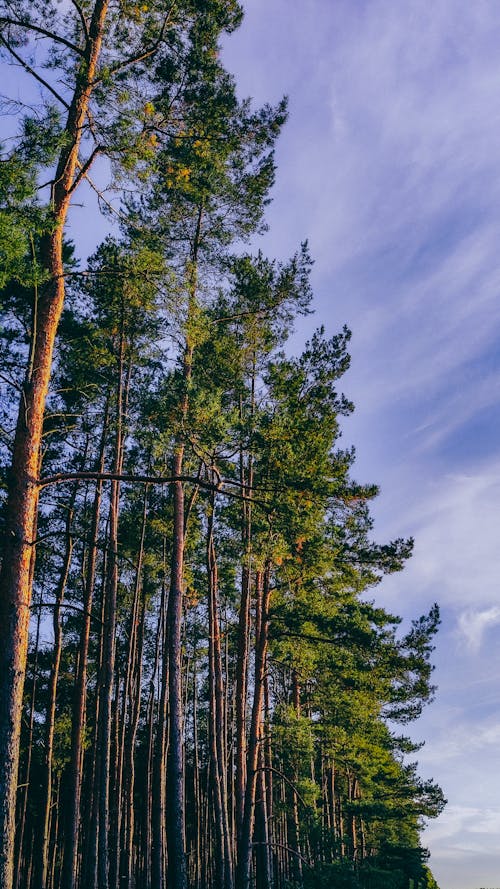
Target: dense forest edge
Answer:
[[198, 689]]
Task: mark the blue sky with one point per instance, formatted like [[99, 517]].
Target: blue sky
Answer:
[[390, 165]]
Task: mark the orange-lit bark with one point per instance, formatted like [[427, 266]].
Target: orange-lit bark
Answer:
[[22, 503]]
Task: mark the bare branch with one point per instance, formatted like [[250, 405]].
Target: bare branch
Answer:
[[286, 779], [84, 168], [38, 605], [33, 73], [10, 382], [30, 26], [124, 477], [82, 19], [274, 845], [225, 486], [100, 197]]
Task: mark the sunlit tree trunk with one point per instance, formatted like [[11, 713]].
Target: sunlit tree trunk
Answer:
[[22, 502]]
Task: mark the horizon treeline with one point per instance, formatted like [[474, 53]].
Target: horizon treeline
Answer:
[[197, 689]]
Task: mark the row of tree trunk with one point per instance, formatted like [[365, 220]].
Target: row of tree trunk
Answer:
[[269, 845]]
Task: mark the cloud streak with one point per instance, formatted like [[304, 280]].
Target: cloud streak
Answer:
[[473, 625]]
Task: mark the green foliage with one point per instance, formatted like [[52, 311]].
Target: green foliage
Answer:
[[22, 222]]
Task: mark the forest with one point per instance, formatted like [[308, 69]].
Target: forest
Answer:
[[197, 687]]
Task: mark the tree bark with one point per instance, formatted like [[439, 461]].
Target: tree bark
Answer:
[[176, 842], [51, 708], [23, 489], [27, 774], [134, 696], [175, 755], [263, 593], [151, 784], [216, 717], [80, 700], [109, 654], [158, 790], [246, 479]]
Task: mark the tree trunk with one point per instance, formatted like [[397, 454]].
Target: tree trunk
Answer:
[[176, 843], [134, 695], [268, 762], [159, 774], [93, 834], [263, 860], [296, 691], [175, 755], [27, 774], [246, 479], [23, 489], [149, 813], [241, 696], [216, 718], [51, 708], [109, 654], [245, 841], [198, 815], [80, 698]]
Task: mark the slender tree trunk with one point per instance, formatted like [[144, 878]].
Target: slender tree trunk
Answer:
[[333, 819], [111, 591], [159, 774], [198, 815], [175, 756], [176, 842], [149, 813], [245, 841], [122, 724], [51, 708], [268, 762], [93, 836], [27, 775], [51, 874], [134, 683], [296, 690], [246, 478], [241, 696], [23, 489], [80, 698], [263, 863], [223, 850]]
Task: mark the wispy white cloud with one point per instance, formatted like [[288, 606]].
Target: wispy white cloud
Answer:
[[455, 521], [460, 741], [452, 832], [472, 625]]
